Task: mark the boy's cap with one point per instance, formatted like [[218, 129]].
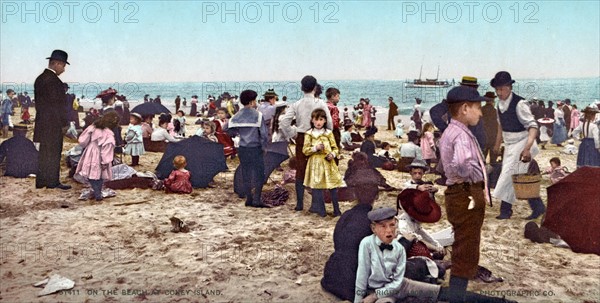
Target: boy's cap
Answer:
[[380, 214], [464, 94], [9, 91], [418, 163]]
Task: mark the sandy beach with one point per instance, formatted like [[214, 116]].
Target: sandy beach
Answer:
[[127, 253]]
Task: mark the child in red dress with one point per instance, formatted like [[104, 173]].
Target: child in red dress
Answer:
[[179, 179]]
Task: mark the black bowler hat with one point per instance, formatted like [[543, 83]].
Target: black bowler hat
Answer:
[[463, 94], [501, 79], [59, 55]]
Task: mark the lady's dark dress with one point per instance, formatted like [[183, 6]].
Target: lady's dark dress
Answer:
[[339, 275]]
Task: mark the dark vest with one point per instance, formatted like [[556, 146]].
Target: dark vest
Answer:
[[509, 120]]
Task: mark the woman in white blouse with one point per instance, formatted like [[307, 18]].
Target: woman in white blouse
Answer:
[[161, 133]]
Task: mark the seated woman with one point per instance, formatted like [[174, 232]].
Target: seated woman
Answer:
[[346, 138], [161, 135], [339, 275], [418, 206], [359, 164], [368, 147]]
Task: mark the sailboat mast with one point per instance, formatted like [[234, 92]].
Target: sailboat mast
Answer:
[[438, 73], [421, 71]]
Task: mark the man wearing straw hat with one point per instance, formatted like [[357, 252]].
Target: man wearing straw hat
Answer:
[[519, 131]]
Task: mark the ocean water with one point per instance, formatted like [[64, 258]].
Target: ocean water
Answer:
[[582, 91]]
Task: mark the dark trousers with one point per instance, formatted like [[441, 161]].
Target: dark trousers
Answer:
[[253, 168], [301, 161], [487, 150], [351, 147], [301, 158], [391, 123], [467, 226], [337, 136], [318, 200], [97, 187], [49, 162]]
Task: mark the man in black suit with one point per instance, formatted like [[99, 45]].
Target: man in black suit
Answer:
[[50, 118]]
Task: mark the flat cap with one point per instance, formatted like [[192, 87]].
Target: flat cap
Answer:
[[463, 94], [382, 213]]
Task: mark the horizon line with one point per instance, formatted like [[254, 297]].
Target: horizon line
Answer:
[[298, 81]]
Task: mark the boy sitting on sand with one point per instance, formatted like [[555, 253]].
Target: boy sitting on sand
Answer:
[[381, 267], [417, 169]]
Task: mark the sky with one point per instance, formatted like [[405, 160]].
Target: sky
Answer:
[[197, 41]]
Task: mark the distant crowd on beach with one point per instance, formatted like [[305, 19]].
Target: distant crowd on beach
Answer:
[[473, 144]]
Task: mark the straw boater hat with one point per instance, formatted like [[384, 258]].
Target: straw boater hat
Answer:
[[419, 205], [469, 81], [546, 120], [418, 163]]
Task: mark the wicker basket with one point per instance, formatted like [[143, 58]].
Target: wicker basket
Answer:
[[527, 186]]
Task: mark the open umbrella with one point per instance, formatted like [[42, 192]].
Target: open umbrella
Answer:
[[150, 108], [205, 160], [573, 208]]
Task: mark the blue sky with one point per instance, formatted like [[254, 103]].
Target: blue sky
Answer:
[[196, 41]]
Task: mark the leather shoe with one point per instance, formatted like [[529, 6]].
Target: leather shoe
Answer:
[[61, 186]]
